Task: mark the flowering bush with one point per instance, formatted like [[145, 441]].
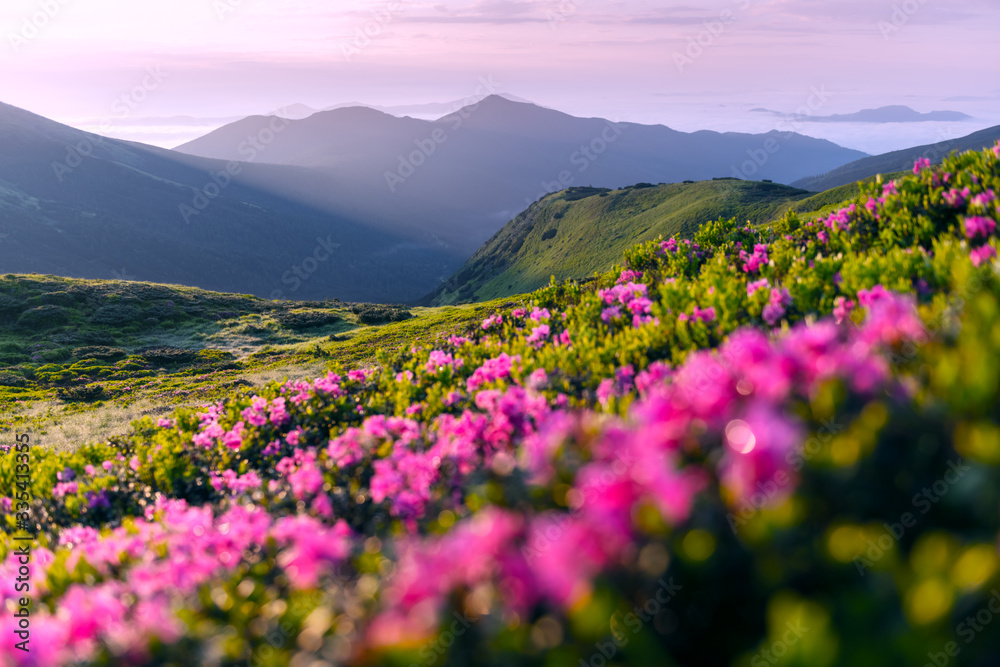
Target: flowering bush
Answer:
[[750, 444]]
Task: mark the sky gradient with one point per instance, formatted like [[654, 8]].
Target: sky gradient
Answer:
[[87, 61]]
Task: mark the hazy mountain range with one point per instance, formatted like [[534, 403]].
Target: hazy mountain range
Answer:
[[889, 114], [351, 203], [362, 205]]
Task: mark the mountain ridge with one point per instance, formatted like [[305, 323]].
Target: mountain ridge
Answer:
[[900, 160], [582, 231]]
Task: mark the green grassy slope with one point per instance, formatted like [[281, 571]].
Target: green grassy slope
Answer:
[[81, 359], [835, 197], [580, 231]]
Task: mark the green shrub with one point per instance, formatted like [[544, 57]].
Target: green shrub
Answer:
[[307, 319], [8, 379], [43, 317], [116, 314], [169, 355], [98, 352], [85, 394], [369, 313]]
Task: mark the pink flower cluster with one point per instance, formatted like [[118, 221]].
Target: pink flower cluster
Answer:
[[840, 220], [957, 198], [629, 276], [632, 296], [977, 227], [752, 263], [740, 394], [492, 370], [777, 305], [237, 484], [439, 361], [149, 570], [539, 335], [705, 315], [756, 285], [492, 321]]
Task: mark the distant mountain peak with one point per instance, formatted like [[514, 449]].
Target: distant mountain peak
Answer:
[[893, 113]]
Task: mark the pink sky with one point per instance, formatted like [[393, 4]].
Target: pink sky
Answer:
[[613, 58]]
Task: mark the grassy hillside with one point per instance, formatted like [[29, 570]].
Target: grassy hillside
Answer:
[[580, 231], [80, 359]]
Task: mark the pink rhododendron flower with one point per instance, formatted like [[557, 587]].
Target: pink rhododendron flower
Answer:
[[233, 439], [753, 262], [705, 315], [539, 335], [440, 361], [979, 227], [868, 297], [538, 378], [842, 309], [893, 319], [492, 321], [629, 276], [63, 489], [277, 413], [957, 198], [921, 164], [492, 370], [754, 286], [982, 255], [775, 309], [983, 200], [539, 314]]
